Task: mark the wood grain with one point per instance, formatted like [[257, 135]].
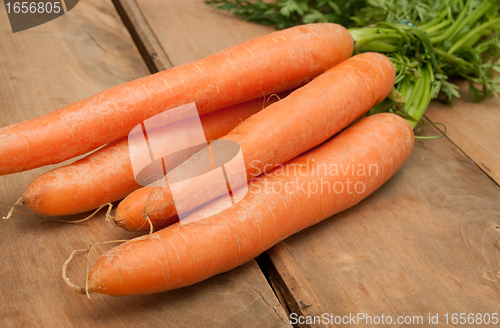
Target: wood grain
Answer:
[[473, 127], [45, 68]]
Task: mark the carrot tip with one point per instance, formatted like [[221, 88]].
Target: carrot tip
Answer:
[[19, 201], [84, 290], [117, 221]]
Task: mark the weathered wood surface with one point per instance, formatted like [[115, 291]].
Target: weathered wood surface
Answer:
[[45, 68], [189, 30], [426, 242], [474, 128], [289, 282]]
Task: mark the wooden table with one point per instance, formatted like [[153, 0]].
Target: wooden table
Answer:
[[426, 242]]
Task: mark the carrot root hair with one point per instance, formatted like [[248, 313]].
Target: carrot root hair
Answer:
[[145, 216], [108, 213], [21, 199], [273, 95], [150, 224], [86, 290], [75, 288], [18, 202]]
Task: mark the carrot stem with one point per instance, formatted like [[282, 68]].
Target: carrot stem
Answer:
[[472, 34]]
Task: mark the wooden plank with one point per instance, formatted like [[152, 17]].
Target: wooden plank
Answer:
[[473, 128], [288, 281], [426, 242], [147, 43], [189, 30], [70, 58]]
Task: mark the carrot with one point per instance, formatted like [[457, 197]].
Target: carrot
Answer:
[[304, 119], [132, 207], [279, 61], [106, 175], [303, 192]]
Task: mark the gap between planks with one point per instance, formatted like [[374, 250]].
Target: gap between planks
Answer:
[[290, 285], [144, 38]]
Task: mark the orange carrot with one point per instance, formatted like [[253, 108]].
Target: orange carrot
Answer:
[[310, 188], [279, 61], [133, 207], [304, 119], [106, 175]]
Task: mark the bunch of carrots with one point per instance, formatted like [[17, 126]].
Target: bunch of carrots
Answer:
[[321, 90]]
